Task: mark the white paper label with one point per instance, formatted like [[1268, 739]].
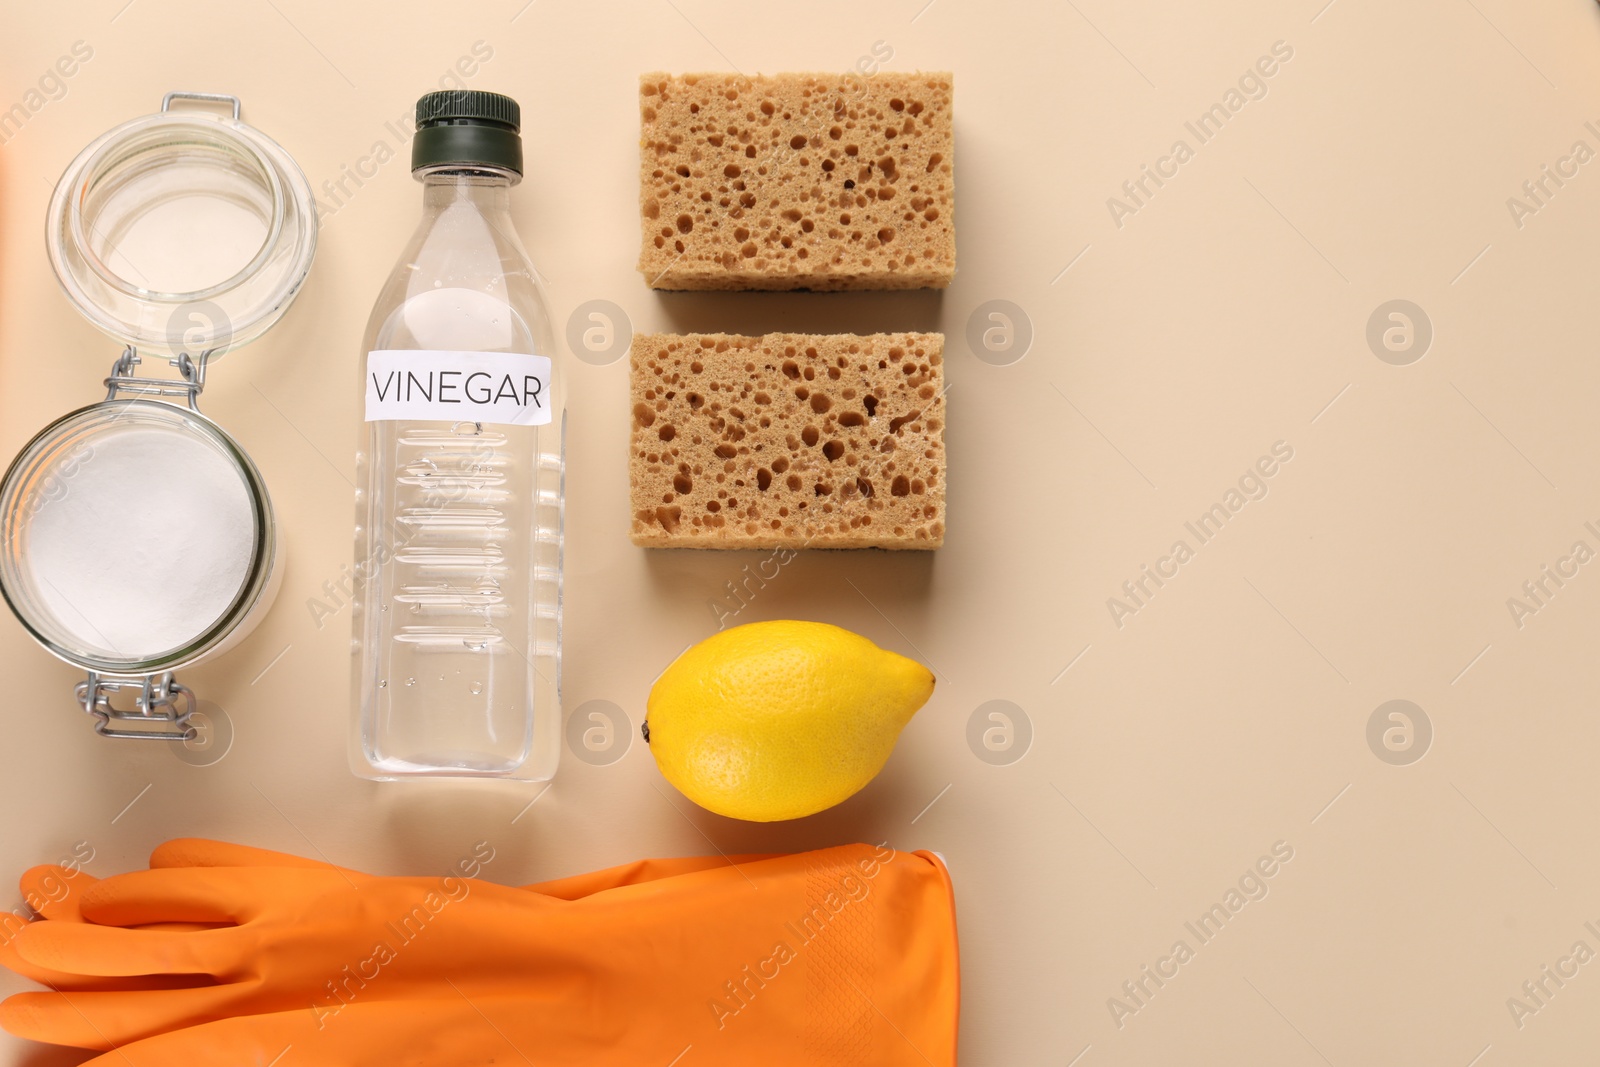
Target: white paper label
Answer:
[[503, 388]]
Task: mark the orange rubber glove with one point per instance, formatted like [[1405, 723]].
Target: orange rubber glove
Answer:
[[58, 891], [196, 992], [847, 944]]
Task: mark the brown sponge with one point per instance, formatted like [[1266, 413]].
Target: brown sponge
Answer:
[[788, 441], [797, 181]]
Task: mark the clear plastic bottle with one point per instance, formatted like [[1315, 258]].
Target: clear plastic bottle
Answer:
[[457, 606]]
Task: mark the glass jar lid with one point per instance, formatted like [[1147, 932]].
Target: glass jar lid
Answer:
[[182, 231], [134, 536]]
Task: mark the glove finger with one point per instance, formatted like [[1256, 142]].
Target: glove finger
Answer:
[[201, 852], [62, 982], [115, 952], [53, 891], [376, 1034], [258, 1039], [42, 888], [105, 1019], [248, 1039], [175, 895], [13, 962]]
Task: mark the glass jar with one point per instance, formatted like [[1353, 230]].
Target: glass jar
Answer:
[[136, 536]]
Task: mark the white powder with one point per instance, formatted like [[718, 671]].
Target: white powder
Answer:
[[148, 544]]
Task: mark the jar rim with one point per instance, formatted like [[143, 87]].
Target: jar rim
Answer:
[[236, 309], [86, 173]]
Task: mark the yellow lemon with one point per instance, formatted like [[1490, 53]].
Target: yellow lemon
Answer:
[[776, 720]]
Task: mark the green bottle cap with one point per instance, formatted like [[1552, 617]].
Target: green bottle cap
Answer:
[[467, 127]]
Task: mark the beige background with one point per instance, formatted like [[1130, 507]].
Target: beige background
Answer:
[[1228, 313]]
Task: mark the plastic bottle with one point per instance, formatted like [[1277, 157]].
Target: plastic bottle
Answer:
[[457, 602]]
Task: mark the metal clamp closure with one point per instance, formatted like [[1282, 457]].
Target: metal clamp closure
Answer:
[[123, 380], [160, 712]]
